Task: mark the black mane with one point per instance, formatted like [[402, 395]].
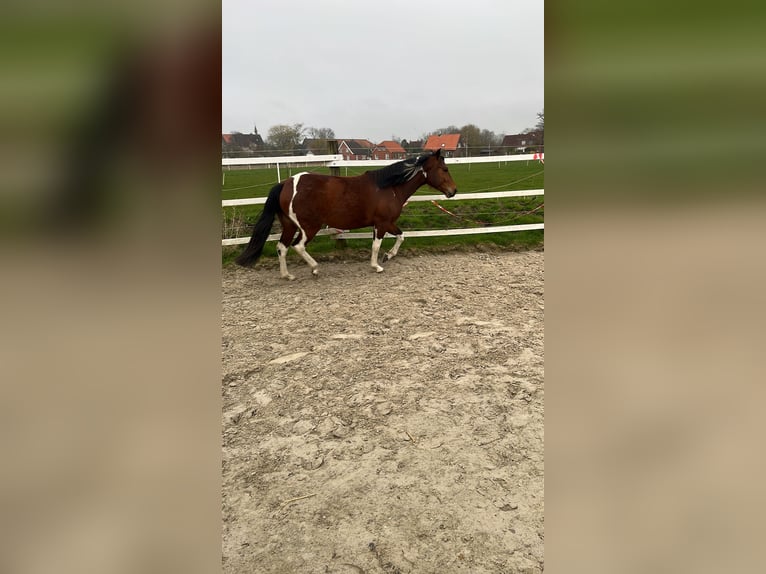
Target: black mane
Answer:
[[399, 172]]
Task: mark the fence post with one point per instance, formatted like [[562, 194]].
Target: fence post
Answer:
[[332, 148]]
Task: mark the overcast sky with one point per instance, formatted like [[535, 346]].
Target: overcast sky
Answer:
[[380, 69]]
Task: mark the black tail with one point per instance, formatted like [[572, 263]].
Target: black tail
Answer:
[[262, 227]]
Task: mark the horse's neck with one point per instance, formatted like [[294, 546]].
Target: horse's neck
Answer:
[[404, 192]]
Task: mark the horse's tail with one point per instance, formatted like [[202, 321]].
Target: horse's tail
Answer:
[[262, 227]]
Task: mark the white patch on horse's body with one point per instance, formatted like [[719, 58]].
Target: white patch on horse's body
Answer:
[[374, 259], [291, 211], [300, 247]]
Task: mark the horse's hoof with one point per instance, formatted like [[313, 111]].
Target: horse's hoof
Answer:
[[289, 277], [379, 269], [315, 272]]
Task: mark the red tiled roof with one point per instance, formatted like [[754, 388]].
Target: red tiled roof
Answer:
[[447, 142], [392, 146], [227, 138]]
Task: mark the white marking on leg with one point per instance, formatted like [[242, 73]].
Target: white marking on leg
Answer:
[[395, 248], [282, 252], [300, 247], [374, 259]]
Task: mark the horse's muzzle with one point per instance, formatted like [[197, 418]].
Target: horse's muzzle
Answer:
[[451, 193]]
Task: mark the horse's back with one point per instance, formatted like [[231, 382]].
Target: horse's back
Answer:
[[344, 202]]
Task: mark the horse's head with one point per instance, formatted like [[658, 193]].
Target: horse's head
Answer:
[[437, 174]]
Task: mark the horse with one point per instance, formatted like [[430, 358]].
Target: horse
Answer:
[[307, 201]]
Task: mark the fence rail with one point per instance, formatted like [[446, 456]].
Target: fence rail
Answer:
[[464, 196], [282, 159], [339, 234], [337, 161]]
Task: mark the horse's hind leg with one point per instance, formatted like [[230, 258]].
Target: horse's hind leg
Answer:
[[399, 238], [288, 232], [306, 235]]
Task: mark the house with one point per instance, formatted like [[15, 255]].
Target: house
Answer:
[[530, 141], [448, 143], [314, 146], [241, 142], [388, 149], [355, 149]]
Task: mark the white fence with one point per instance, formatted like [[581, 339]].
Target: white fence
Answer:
[[282, 160], [338, 161]]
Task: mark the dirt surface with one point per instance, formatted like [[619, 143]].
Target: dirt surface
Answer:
[[386, 422]]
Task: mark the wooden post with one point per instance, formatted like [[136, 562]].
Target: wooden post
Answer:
[[332, 148]]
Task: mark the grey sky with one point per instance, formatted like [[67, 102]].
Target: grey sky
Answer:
[[376, 69]]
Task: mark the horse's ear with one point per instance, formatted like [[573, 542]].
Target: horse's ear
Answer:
[[438, 152]]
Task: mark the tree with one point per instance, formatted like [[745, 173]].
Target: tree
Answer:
[[319, 137], [284, 138], [445, 131], [470, 136], [489, 139], [321, 133], [540, 125], [449, 130]]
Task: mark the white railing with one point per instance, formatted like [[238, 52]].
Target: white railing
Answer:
[[281, 160], [337, 161], [482, 195]]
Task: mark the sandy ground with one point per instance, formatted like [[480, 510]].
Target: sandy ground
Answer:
[[385, 422]]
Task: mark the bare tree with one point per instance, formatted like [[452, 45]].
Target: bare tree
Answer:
[[470, 136], [489, 139], [285, 138], [319, 137], [321, 133]]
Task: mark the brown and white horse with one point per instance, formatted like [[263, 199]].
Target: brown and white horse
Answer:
[[307, 201]]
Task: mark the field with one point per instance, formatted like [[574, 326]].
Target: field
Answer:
[[471, 178], [386, 422]]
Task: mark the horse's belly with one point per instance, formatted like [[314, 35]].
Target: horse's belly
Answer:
[[347, 212], [341, 221]]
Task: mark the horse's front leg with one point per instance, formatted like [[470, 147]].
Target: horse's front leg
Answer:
[[377, 239]]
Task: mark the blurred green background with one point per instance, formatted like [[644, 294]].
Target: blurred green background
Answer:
[[110, 353], [104, 109], [655, 102]]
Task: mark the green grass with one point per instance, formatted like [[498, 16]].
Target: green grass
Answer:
[[470, 178]]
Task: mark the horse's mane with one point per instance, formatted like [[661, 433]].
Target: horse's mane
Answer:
[[399, 172]]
